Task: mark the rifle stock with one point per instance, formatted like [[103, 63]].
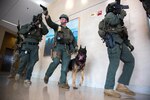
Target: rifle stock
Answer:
[[44, 8], [121, 6]]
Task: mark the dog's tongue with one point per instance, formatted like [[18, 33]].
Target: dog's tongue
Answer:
[[81, 57]]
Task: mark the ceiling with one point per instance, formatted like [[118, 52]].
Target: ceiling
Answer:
[[23, 10]]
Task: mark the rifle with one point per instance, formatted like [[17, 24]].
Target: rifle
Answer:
[[19, 38], [118, 5], [43, 7], [18, 26], [45, 12]]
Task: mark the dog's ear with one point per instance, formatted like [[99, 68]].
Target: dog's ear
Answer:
[[85, 47], [80, 46]]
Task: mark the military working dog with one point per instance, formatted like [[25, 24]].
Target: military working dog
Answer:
[[77, 65]]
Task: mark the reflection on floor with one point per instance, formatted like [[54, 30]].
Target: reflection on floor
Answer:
[[11, 90]]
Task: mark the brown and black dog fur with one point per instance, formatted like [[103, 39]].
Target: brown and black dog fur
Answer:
[[77, 65]]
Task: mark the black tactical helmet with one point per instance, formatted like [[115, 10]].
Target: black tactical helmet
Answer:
[[112, 7], [64, 16]]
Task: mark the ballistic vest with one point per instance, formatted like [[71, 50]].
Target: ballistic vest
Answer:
[[63, 35]]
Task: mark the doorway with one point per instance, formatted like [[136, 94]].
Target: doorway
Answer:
[[7, 60], [6, 52]]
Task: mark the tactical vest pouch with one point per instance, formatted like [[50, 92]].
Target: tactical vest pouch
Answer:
[[59, 36], [64, 36]]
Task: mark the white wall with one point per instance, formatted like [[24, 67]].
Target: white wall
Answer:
[[97, 58]]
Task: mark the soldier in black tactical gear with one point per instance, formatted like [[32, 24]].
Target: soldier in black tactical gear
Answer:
[[64, 45], [114, 33], [33, 33]]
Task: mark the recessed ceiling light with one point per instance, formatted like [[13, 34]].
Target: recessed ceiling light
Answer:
[[69, 4], [84, 1], [38, 2]]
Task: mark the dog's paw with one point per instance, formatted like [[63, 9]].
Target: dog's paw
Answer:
[[75, 87]]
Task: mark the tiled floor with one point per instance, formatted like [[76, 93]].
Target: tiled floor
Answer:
[[11, 90]]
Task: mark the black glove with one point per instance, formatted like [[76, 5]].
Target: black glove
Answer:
[[45, 12], [131, 47]]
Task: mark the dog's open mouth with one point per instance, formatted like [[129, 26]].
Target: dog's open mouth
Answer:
[[81, 57]]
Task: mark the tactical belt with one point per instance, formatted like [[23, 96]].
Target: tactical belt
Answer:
[[31, 43], [63, 43], [118, 43]]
